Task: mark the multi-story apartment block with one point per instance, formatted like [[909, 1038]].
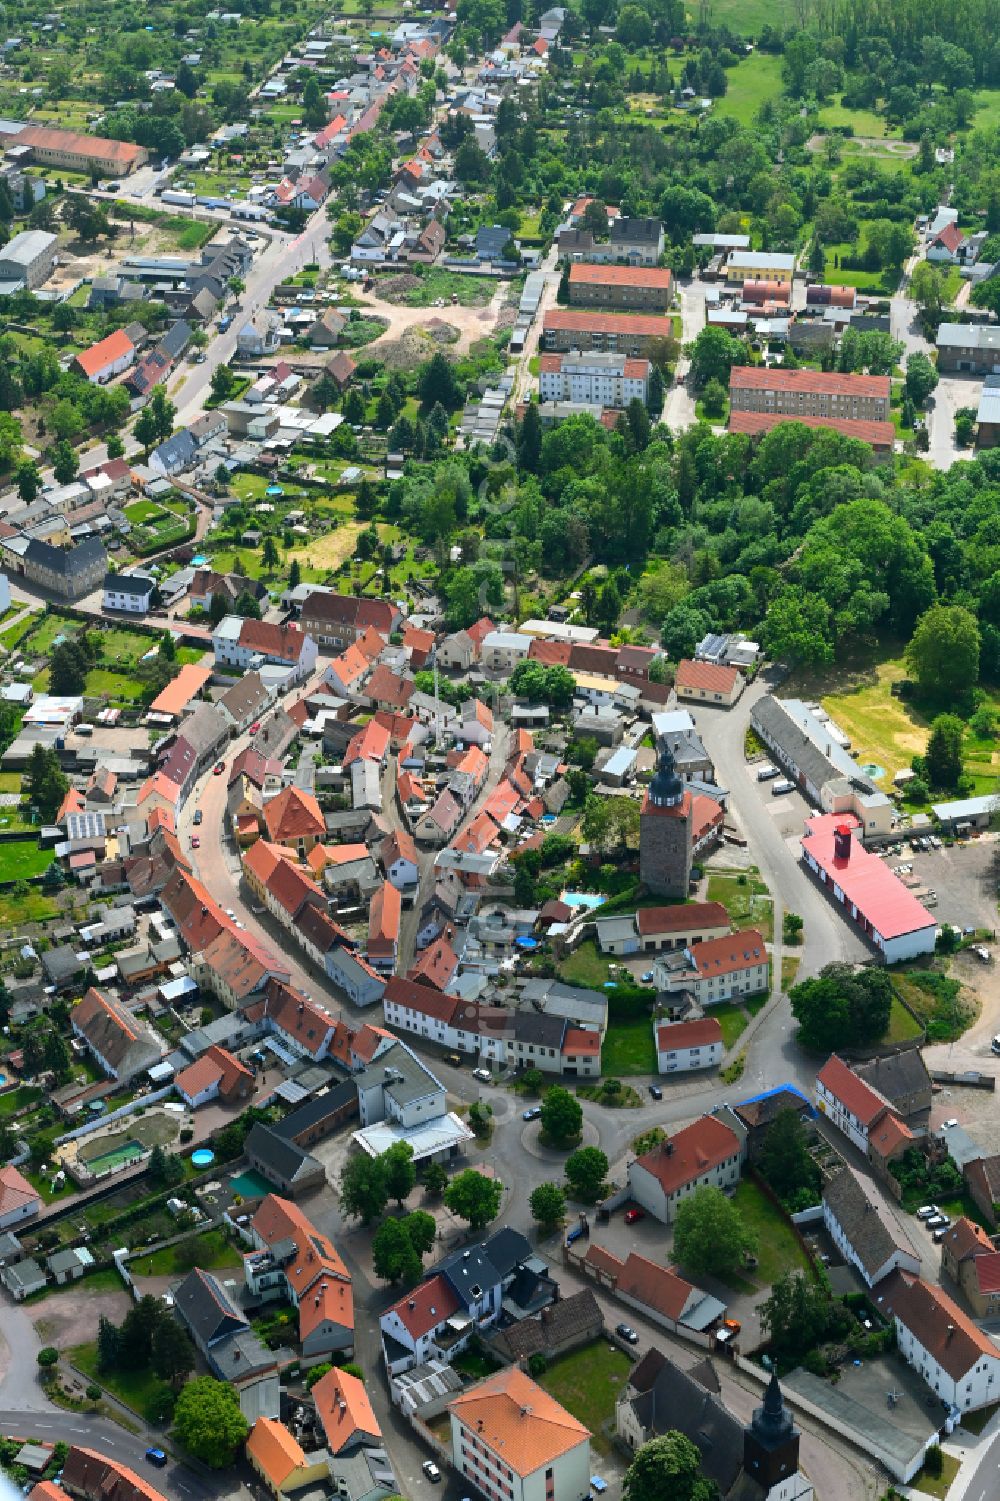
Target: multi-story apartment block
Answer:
[[605, 380], [809, 393]]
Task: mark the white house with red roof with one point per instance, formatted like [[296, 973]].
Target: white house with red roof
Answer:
[[957, 1359], [947, 246], [417, 1327], [890, 917], [707, 1152], [853, 1106], [718, 968], [687, 1045], [708, 683], [18, 1200]]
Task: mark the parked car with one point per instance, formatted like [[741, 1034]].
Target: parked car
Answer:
[[767, 773], [195, 842], [926, 1211], [156, 1457], [939, 1234], [255, 727], [431, 1470], [938, 1222], [631, 1215], [531, 1114], [995, 1044], [627, 1333], [598, 1485], [779, 788], [947, 1125], [656, 1092], [483, 1075], [218, 768], [198, 815]]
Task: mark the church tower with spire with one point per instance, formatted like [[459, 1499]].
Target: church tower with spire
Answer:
[[771, 1445], [666, 832]]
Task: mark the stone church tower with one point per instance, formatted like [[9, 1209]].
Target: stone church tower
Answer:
[[666, 832], [771, 1447]]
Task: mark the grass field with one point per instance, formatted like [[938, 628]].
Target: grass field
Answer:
[[472, 291], [902, 1026], [745, 17], [16, 1099], [733, 1021], [883, 729], [137, 1389], [34, 906], [778, 1250], [587, 1383], [865, 122], [587, 966], [629, 1048], [865, 281], [329, 551], [15, 634], [746, 900], [210, 1250], [21, 859], [937, 1485], [753, 80]]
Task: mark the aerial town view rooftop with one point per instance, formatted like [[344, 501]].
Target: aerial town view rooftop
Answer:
[[499, 750]]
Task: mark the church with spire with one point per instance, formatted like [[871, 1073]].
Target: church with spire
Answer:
[[666, 832], [755, 1462]]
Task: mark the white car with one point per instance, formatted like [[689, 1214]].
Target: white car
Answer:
[[431, 1470], [483, 1075]]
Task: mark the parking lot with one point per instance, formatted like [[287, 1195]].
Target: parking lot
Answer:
[[959, 874]]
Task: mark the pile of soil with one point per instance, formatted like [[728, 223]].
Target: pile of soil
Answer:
[[395, 288], [415, 345]]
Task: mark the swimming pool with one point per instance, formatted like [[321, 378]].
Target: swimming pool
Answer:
[[203, 1157], [129, 1151], [250, 1185], [582, 899]]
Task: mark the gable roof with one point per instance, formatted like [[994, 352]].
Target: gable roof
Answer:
[[871, 1231], [275, 1451], [517, 1419], [946, 1332], [690, 1153], [344, 1409], [293, 814], [863, 1102]]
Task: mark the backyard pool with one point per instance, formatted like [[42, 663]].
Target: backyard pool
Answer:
[[274, 490], [129, 1151], [203, 1157], [250, 1185], [582, 899]]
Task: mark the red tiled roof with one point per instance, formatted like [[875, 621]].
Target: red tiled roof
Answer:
[[550, 653], [578, 1041], [880, 435], [436, 964], [951, 237], [863, 1102], [866, 881], [428, 1305], [105, 352], [726, 955], [683, 918], [590, 321], [818, 382], [51, 138], [693, 1151], [414, 996], [293, 814], [384, 918], [712, 677], [620, 276], [944, 1330], [701, 1032], [987, 1269]]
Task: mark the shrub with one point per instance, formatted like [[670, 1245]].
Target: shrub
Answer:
[[537, 1365], [934, 1460]]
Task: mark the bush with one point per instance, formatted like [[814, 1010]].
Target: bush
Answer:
[[934, 1460], [93, 1392], [538, 1365]]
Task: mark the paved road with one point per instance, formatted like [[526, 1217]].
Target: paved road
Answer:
[[54, 1426], [678, 408]]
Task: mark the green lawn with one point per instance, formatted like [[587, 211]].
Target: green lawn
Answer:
[[21, 859], [778, 1250], [937, 1485], [864, 122], [902, 1026], [587, 1383], [865, 281], [142, 512], [32, 907], [733, 1021], [16, 1099], [754, 79], [15, 634], [102, 682], [629, 1048], [211, 1251], [587, 966], [745, 897], [746, 17], [137, 1389]]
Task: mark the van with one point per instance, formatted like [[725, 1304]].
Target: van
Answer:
[[782, 786], [766, 773]]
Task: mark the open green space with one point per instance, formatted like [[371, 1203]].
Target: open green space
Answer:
[[210, 1250], [937, 1485], [137, 1389], [745, 897], [746, 17], [471, 290], [778, 1250], [32, 906], [588, 1382], [16, 633], [629, 1048], [587, 966], [753, 80], [21, 859], [902, 1026], [19, 1098], [733, 1021]]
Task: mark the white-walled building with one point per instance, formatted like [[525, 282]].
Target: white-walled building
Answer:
[[131, 593], [241, 644], [604, 380], [956, 1358], [707, 1152], [718, 969], [864, 1231], [683, 1046], [510, 1439], [851, 1104]]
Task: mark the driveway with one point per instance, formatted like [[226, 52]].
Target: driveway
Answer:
[[952, 393]]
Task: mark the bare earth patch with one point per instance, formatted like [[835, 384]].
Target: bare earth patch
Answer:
[[72, 1319]]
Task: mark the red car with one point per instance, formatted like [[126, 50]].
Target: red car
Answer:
[[255, 727], [218, 768], [195, 842], [631, 1215]]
